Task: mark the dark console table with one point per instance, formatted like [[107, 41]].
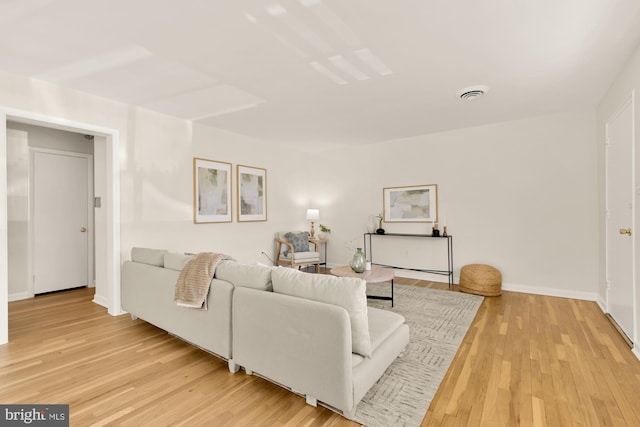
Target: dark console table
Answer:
[[449, 239]]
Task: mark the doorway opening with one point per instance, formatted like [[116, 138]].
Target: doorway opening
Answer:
[[107, 219]]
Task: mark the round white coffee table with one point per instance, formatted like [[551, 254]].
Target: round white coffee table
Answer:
[[375, 275]]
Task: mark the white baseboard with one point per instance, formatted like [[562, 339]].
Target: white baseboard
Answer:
[[512, 287], [20, 295], [26, 295], [100, 301], [550, 292]]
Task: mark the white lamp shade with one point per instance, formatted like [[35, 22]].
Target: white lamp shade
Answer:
[[313, 214]]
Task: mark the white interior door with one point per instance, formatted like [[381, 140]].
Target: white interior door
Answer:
[[619, 199], [60, 221]]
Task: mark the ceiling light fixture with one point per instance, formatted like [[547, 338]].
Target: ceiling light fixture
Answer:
[[472, 92]]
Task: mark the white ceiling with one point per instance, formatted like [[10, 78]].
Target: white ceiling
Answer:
[[326, 71]]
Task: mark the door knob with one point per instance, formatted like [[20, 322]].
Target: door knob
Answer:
[[625, 231], [83, 230]]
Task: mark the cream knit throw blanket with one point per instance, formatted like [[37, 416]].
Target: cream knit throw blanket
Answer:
[[192, 286]]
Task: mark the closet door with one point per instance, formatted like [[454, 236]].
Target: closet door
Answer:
[[619, 204], [60, 221]]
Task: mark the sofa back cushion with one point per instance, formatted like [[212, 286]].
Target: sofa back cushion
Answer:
[[176, 261], [246, 275], [349, 293], [148, 256]]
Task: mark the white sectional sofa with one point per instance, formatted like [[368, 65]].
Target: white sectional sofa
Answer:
[[147, 289], [313, 334]]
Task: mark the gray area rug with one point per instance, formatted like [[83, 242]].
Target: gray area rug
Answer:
[[438, 321]]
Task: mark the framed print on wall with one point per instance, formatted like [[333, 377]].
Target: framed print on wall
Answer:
[[251, 193], [211, 191], [411, 204]]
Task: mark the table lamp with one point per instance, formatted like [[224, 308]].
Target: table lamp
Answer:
[[313, 215]]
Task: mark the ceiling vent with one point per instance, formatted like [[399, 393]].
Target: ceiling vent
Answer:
[[472, 92]]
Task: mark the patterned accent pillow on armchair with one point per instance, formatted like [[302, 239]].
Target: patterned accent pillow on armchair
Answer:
[[300, 242]]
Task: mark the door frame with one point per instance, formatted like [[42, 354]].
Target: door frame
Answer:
[[628, 101], [90, 216], [107, 234]]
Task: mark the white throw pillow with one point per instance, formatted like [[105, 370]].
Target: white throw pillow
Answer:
[[349, 293]]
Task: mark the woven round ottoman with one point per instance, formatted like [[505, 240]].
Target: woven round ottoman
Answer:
[[481, 279]]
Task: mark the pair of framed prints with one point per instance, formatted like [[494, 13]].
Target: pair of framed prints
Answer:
[[212, 192]]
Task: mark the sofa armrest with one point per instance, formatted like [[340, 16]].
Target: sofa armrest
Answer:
[[302, 344]]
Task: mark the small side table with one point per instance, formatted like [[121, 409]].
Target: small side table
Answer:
[[375, 275], [319, 242]]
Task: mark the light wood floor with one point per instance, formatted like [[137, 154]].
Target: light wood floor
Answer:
[[526, 360]]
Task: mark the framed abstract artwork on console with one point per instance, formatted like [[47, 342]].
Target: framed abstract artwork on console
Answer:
[[417, 203]]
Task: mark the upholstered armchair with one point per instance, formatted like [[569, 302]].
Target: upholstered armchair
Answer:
[[297, 249]]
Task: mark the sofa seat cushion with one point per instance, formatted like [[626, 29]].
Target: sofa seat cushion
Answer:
[[346, 292], [303, 256], [356, 359], [246, 275], [382, 323]]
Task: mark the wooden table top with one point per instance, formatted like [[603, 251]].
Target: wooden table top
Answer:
[[375, 275]]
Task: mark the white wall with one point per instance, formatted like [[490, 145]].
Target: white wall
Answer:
[[626, 85], [157, 184], [18, 213], [520, 195], [100, 220], [4, 254]]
